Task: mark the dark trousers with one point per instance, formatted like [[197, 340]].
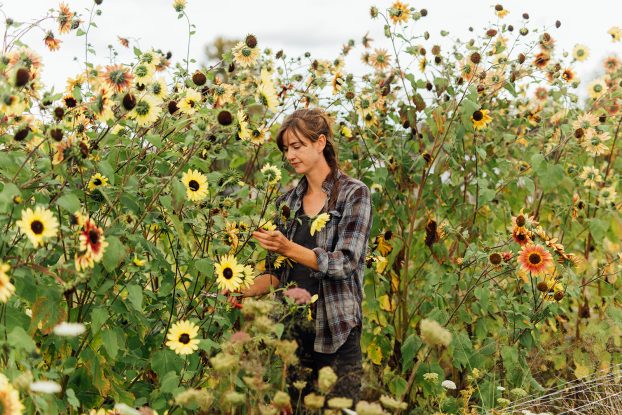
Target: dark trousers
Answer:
[[345, 362]]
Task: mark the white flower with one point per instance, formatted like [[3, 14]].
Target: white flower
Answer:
[[500, 388], [125, 409], [448, 384], [69, 329], [45, 386]]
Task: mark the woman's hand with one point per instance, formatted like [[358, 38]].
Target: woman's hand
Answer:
[[273, 241]]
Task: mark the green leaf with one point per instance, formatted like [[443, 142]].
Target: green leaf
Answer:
[[99, 315], [135, 295], [409, 349], [19, 339], [109, 338], [72, 399], [115, 253], [164, 361], [70, 202], [169, 382]]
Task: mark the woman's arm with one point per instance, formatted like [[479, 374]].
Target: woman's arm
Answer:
[[261, 285]]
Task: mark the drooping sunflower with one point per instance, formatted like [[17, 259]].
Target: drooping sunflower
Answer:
[[117, 77], [96, 181], [596, 88], [6, 288], [244, 55], [616, 33], [101, 104], [534, 258], [580, 52], [248, 276], [319, 222], [480, 119], [568, 75], [190, 102], [399, 12], [521, 235], [51, 42], [382, 245], [229, 274], [182, 337], [196, 185], [9, 398], [92, 240], [222, 94], [146, 111], [64, 18], [38, 225]]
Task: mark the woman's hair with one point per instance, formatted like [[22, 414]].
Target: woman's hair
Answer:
[[311, 123]]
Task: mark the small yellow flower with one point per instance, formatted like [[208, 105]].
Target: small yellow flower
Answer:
[[580, 52], [319, 222], [138, 262], [96, 181], [182, 337], [346, 132], [616, 33]]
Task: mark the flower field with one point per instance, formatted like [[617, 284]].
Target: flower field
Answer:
[[128, 202]]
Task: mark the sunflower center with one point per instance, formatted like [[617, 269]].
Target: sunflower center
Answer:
[[191, 103], [535, 258], [97, 182], [117, 77], [157, 88], [193, 185], [227, 273], [184, 338], [37, 227], [598, 88], [521, 237], [93, 236], [246, 52], [142, 108], [478, 115], [141, 71]]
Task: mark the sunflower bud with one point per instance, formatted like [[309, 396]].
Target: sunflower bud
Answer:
[[543, 286], [251, 41], [225, 118], [21, 134], [521, 58], [520, 220], [558, 295], [59, 113], [199, 78], [525, 16], [558, 24], [491, 32], [498, 7], [495, 258], [129, 101], [172, 107], [56, 134], [476, 58], [423, 12]]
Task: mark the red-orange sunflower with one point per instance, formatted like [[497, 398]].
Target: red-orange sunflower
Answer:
[[535, 258], [117, 77]]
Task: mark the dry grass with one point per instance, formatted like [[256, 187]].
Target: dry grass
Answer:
[[598, 394]]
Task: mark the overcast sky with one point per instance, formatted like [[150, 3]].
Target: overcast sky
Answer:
[[320, 27]]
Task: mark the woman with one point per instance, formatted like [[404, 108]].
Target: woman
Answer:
[[329, 263]]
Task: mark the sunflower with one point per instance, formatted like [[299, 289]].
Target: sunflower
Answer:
[[143, 73], [616, 33], [243, 131], [249, 276], [182, 337], [607, 195], [244, 55], [534, 258], [611, 64], [196, 185], [222, 94], [271, 173], [399, 12], [266, 94], [382, 245], [92, 240], [64, 18], [596, 88], [9, 398], [521, 235], [319, 222], [117, 77], [568, 75], [190, 102], [229, 274], [337, 82], [542, 59], [158, 89], [146, 111], [51, 42], [6, 288], [96, 181], [595, 144], [580, 52], [258, 136], [101, 104], [591, 176], [480, 119], [38, 225], [380, 59]]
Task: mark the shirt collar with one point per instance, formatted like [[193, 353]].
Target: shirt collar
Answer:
[[301, 188]]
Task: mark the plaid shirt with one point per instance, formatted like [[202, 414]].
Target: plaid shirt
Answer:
[[341, 249]]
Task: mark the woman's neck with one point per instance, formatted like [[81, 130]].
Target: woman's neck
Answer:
[[316, 177]]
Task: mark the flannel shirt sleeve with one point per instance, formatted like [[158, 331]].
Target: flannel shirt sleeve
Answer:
[[352, 238]]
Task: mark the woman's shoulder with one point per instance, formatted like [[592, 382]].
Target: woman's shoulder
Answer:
[[350, 186]]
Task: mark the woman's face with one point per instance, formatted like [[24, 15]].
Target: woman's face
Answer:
[[302, 153]]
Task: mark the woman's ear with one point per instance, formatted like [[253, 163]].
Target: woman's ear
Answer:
[[321, 141]]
